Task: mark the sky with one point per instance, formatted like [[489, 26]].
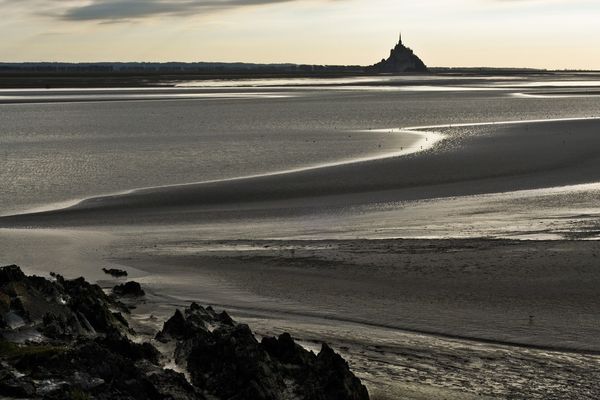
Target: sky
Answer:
[[553, 34]]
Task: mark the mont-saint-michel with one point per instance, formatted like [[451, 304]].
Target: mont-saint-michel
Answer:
[[303, 204], [401, 60]]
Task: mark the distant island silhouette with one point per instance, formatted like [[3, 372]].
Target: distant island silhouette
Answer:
[[402, 59]]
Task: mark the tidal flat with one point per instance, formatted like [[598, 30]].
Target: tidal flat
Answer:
[[464, 267]]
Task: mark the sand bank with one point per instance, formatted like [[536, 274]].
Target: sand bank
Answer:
[[473, 159]]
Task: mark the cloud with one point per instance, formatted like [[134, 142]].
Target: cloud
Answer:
[[114, 10], [108, 11]]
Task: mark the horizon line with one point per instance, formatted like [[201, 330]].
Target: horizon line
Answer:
[[547, 69]]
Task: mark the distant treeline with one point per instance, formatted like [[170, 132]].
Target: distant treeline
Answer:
[[133, 74]]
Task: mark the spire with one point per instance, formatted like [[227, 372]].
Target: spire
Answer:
[[400, 41]]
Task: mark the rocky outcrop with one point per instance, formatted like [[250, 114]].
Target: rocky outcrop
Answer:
[[224, 360], [129, 289], [114, 272], [402, 59], [66, 339], [30, 305]]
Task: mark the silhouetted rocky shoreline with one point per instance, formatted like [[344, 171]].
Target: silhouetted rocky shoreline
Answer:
[[67, 339]]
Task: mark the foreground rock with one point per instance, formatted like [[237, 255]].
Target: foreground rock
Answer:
[[66, 339], [117, 273], [129, 289], [224, 359], [31, 306]]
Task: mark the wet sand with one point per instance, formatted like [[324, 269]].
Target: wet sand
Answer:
[[513, 292], [417, 319], [470, 160]]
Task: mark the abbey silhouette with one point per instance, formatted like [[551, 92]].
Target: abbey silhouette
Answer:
[[401, 59]]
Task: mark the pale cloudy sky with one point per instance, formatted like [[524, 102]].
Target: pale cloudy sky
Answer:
[[503, 33]]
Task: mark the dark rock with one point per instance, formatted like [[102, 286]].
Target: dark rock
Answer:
[[16, 304], [119, 373], [11, 273], [110, 368], [196, 321], [59, 326], [119, 317], [15, 387], [92, 306], [173, 385], [174, 328], [285, 349], [335, 379], [86, 352], [119, 344], [230, 362], [117, 273], [225, 360], [30, 356], [58, 309], [132, 289]]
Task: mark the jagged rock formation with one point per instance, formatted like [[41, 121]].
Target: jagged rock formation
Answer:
[[66, 339], [32, 305], [401, 59], [114, 272], [129, 289], [224, 359]]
